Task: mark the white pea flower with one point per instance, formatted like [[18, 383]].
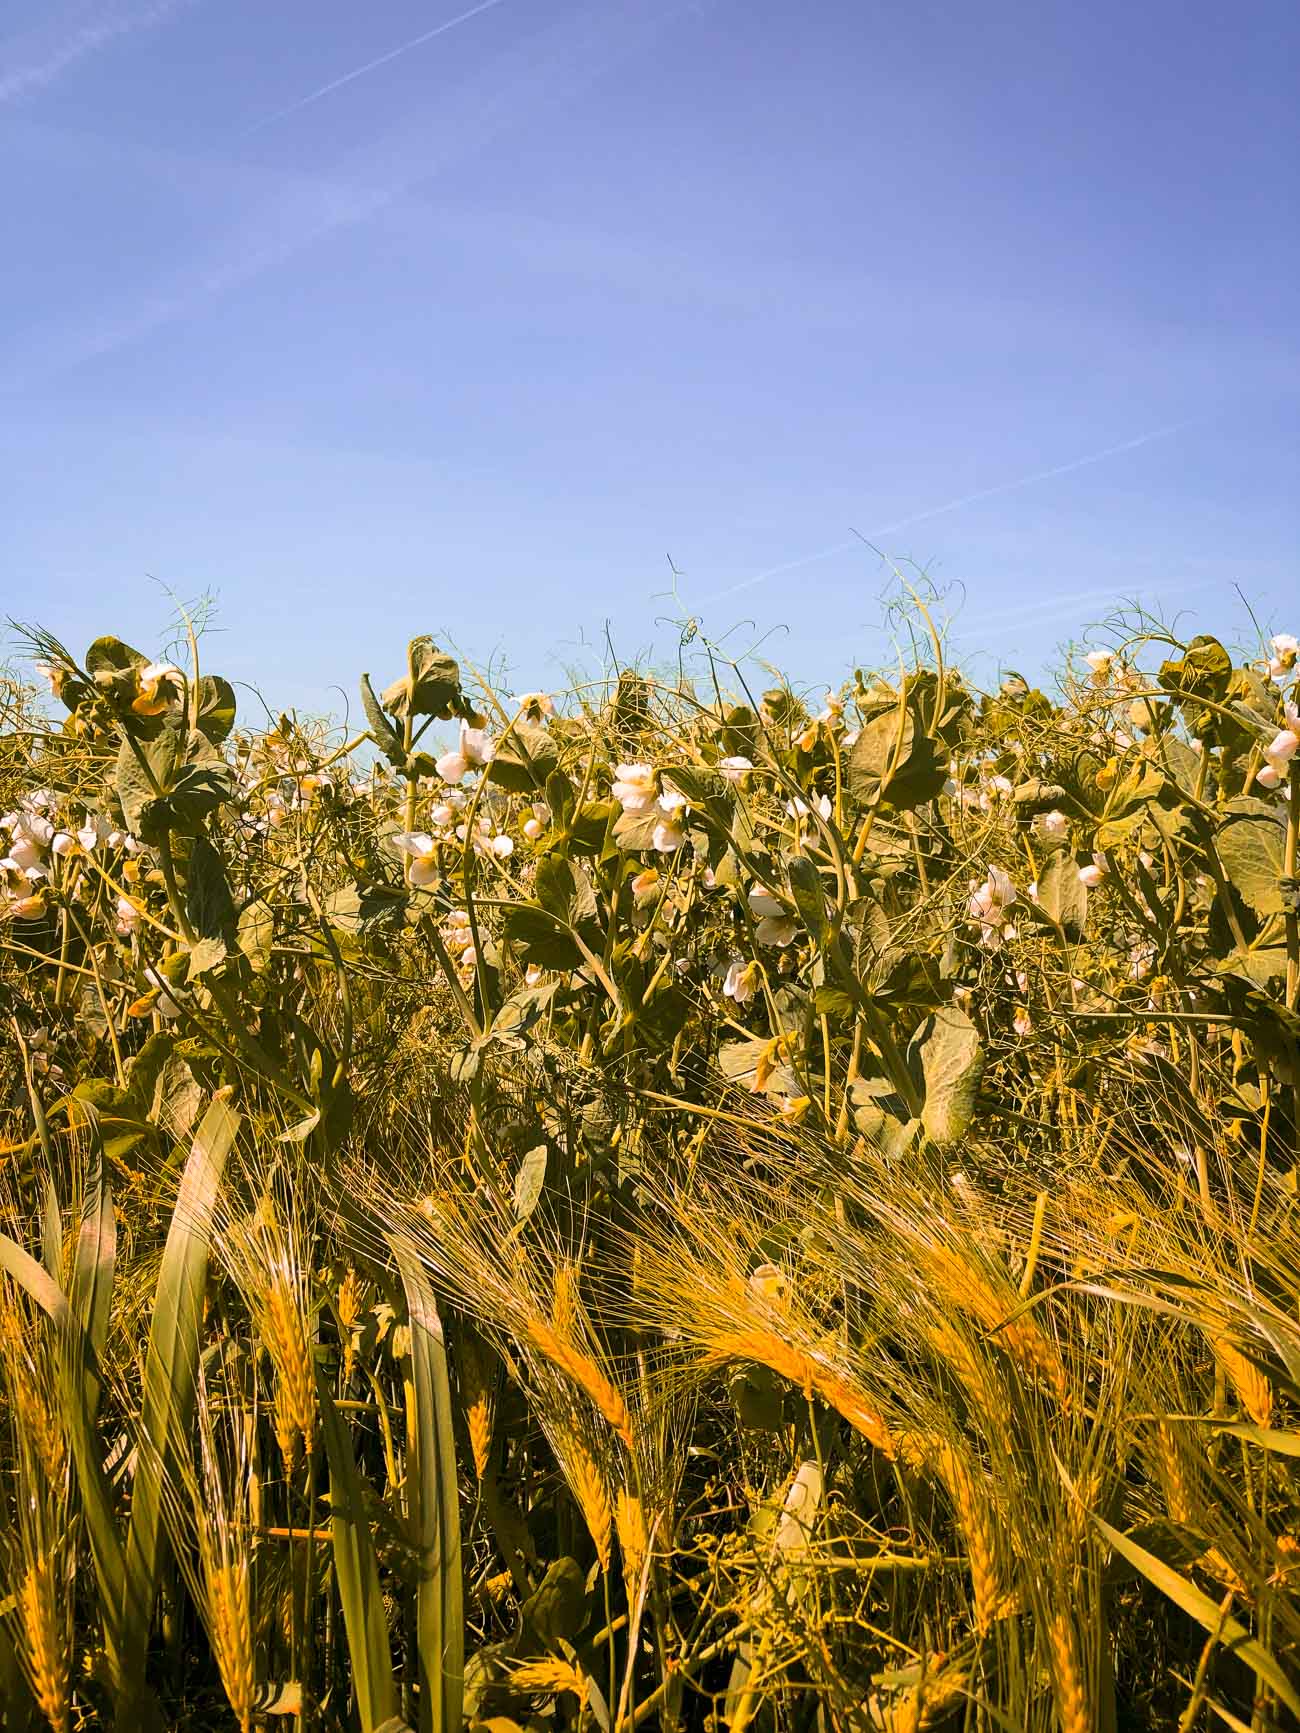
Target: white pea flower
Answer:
[[1280, 750], [776, 926], [1022, 1022], [164, 1004], [474, 751], [157, 685], [26, 856], [127, 917], [736, 768], [502, 846], [1285, 649], [988, 905], [645, 885], [1269, 776], [535, 824], [536, 704], [420, 849], [741, 982], [1093, 873], [668, 835], [96, 830], [1099, 661], [1054, 824], [799, 808], [635, 786]]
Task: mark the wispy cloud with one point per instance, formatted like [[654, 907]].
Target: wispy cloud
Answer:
[[965, 499], [42, 57], [370, 66], [538, 71]]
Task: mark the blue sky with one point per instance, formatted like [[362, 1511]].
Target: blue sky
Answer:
[[474, 339]]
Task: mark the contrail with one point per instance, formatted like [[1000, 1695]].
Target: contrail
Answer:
[[370, 66], [953, 505], [35, 75]]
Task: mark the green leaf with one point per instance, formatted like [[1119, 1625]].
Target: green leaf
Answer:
[[356, 1572], [177, 1097], [433, 1509], [530, 1178], [216, 708], [143, 774], [197, 791], [255, 934], [588, 829], [540, 938], [1232, 1634], [564, 890], [109, 657], [895, 759], [809, 898], [952, 1063], [524, 759], [208, 902], [1062, 897], [382, 732], [637, 829], [1266, 1437], [431, 688], [1252, 849], [170, 1372], [557, 1609]]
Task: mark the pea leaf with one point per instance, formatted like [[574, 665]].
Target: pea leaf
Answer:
[[952, 1062], [524, 759]]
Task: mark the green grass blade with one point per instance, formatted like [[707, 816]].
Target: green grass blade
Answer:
[[167, 1402], [433, 1508], [52, 1232], [76, 1367], [1233, 1636], [356, 1572], [91, 1289]]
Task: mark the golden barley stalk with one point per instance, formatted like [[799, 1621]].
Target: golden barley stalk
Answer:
[[950, 1345], [925, 1703], [286, 1342], [476, 1395], [37, 1418], [585, 1374], [975, 1520], [1253, 1389], [48, 1662], [1172, 1471], [232, 1642], [1021, 1339], [552, 1676], [351, 1304], [588, 1487], [766, 1348], [633, 1540], [1067, 1676], [564, 1305]]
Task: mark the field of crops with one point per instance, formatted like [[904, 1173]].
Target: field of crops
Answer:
[[667, 1205]]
